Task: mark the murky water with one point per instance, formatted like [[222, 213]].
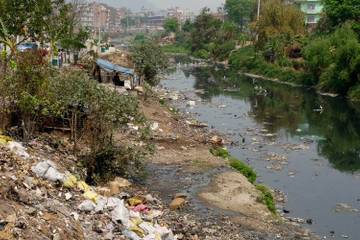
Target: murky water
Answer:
[[303, 144]]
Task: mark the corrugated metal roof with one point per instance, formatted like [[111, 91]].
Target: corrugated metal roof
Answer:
[[110, 67]]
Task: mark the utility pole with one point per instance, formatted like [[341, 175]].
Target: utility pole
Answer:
[[258, 17]]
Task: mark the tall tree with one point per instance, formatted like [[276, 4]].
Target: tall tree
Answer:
[[278, 21], [149, 61], [240, 11], [341, 11], [171, 25], [204, 30]]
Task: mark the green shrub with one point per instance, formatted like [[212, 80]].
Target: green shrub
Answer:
[[266, 198], [334, 60], [112, 161], [220, 152], [202, 53], [354, 93], [175, 49], [244, 169]]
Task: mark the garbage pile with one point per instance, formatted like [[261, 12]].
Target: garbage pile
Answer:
[[47, 202]]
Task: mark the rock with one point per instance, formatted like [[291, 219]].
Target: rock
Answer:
[[87, 206], [114, 188], [177, 203], [11, 218], [216, 140], [139, 89], [309, 221], [118, 184], [286, 211], [104, 191], [181, 195]]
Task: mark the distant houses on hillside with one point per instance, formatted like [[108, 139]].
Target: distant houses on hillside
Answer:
[[312, 10]]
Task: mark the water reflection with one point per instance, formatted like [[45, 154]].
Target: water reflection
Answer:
[[334, 123]]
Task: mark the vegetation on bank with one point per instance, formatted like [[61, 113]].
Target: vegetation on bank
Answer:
[[266, 196], [279, 45], [245, 169], [36, 97], [175, 49]]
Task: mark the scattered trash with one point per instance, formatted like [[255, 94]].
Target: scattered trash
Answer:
[[83, 186], [216, 140], [87, 206], [18, 149], [134, 201], [46, 169], [70, 181], [91, 195], [121, 213], [68, 196], [191, 103], [154, 126], [343, 207]]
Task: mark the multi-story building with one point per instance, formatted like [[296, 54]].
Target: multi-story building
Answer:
[[312, 10], [101, 17]]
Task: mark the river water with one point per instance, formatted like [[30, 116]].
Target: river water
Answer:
[[305, 145]]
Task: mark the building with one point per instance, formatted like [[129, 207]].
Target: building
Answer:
[[101, 17], [312, 10]]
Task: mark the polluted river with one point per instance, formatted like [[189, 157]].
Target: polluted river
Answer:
[[303, 144]]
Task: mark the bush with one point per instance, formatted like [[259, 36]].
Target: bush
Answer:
[[354, 93], [247, 60], [220, 152], [334, 60], [114, 161], [266, 198], [175, 48], [244, 169], [202, 53]]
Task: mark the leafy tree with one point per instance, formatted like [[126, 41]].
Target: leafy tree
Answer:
[[339, 12], [204, 30], [334, 60], [171, 25], [240, 11], [279, 24], [149, 61]]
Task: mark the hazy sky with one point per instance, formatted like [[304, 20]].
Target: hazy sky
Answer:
[[194, 5]]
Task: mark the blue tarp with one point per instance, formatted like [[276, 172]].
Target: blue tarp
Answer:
[[109, 67]]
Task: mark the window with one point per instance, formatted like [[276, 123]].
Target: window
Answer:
[[311, 6], [311, 19]]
